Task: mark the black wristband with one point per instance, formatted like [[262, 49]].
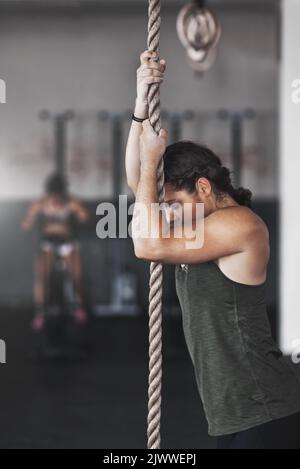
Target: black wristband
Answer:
[[138, 119]]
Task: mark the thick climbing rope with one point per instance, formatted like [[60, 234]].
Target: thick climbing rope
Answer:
[[156, 270]]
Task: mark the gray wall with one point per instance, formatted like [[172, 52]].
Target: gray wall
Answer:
[[87, 62]]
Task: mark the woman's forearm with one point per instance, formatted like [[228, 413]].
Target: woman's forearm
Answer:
[[133, 147], [146, 213]]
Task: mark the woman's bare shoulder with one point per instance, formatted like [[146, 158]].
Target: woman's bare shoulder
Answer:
[[253, 220], [242, 215], [253, 235], [255, 230], [243, 220]]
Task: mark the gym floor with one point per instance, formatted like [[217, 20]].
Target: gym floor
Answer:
[[100, 401]]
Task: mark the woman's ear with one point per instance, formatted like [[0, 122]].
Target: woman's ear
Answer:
[[203, 187]]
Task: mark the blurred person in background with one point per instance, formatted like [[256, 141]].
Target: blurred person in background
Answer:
[[56, 213]]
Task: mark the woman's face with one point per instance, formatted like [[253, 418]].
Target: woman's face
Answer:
[[176, 204]]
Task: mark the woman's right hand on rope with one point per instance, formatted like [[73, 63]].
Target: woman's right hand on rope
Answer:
[[148, 73]]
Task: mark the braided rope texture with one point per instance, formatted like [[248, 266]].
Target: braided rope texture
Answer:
[[156, 269]]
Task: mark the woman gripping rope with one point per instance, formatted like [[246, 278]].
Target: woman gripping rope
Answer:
[[250, 392]]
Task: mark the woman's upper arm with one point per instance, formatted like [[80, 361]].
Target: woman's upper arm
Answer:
[[35, 209], [32, 213], [223, 233], [80, 211]]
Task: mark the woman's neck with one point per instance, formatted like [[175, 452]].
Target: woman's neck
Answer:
[[224, 202]]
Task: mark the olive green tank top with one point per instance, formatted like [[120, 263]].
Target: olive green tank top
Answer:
[[242, 376]]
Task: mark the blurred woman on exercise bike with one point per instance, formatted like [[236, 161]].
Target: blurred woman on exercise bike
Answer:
[[57, 212]]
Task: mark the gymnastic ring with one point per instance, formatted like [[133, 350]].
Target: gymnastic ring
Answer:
[[198, 27], [205, 64]]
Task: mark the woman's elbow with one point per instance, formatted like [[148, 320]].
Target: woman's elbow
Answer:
[[132, 187], [148, 252]]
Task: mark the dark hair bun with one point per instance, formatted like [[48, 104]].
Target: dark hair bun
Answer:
[[243, 196]]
